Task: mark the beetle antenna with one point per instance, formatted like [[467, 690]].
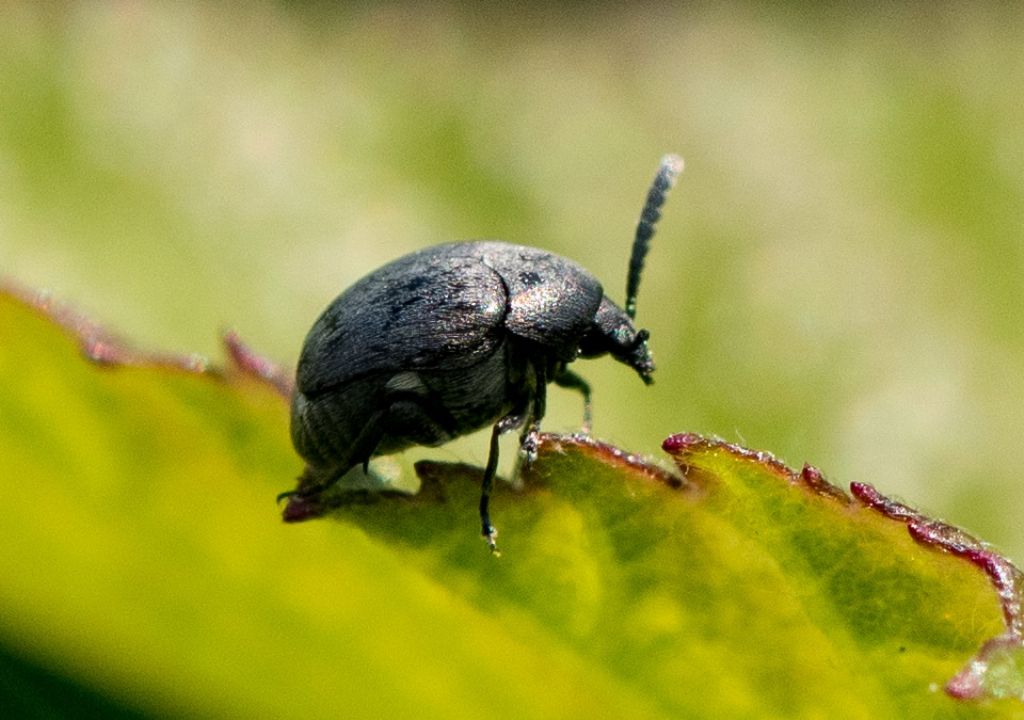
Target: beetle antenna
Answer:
[[668, 171]]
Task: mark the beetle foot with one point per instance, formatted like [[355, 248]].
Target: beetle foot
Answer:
[[528, 447], [306, 500], [301, 506]]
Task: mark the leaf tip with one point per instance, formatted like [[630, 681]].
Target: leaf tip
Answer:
[[249, 362], [997, 670]]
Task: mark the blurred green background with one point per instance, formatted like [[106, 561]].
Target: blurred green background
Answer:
[[838, 277]]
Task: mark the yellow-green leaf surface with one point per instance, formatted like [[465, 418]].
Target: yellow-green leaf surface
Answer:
[[144, 559]]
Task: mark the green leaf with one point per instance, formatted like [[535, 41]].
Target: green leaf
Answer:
[[144, 559]]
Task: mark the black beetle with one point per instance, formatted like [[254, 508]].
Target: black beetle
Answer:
[[452, 339]]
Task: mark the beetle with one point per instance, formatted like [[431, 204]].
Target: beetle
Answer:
[[454, 338]]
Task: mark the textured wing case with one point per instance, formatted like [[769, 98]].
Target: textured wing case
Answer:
[[438, 308]]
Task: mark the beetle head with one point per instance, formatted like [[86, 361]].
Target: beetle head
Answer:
[[613, 332]]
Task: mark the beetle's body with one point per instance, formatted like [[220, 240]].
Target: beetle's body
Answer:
[[440, 343], [452, 339]]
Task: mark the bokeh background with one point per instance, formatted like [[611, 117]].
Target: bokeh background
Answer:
[[838, 278]]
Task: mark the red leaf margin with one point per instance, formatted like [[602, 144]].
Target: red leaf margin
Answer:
[[973, 681]]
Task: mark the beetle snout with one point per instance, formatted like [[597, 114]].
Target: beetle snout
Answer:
[[640, 357]]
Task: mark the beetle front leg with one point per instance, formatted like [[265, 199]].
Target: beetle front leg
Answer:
[[509, 422], [566, 378]]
